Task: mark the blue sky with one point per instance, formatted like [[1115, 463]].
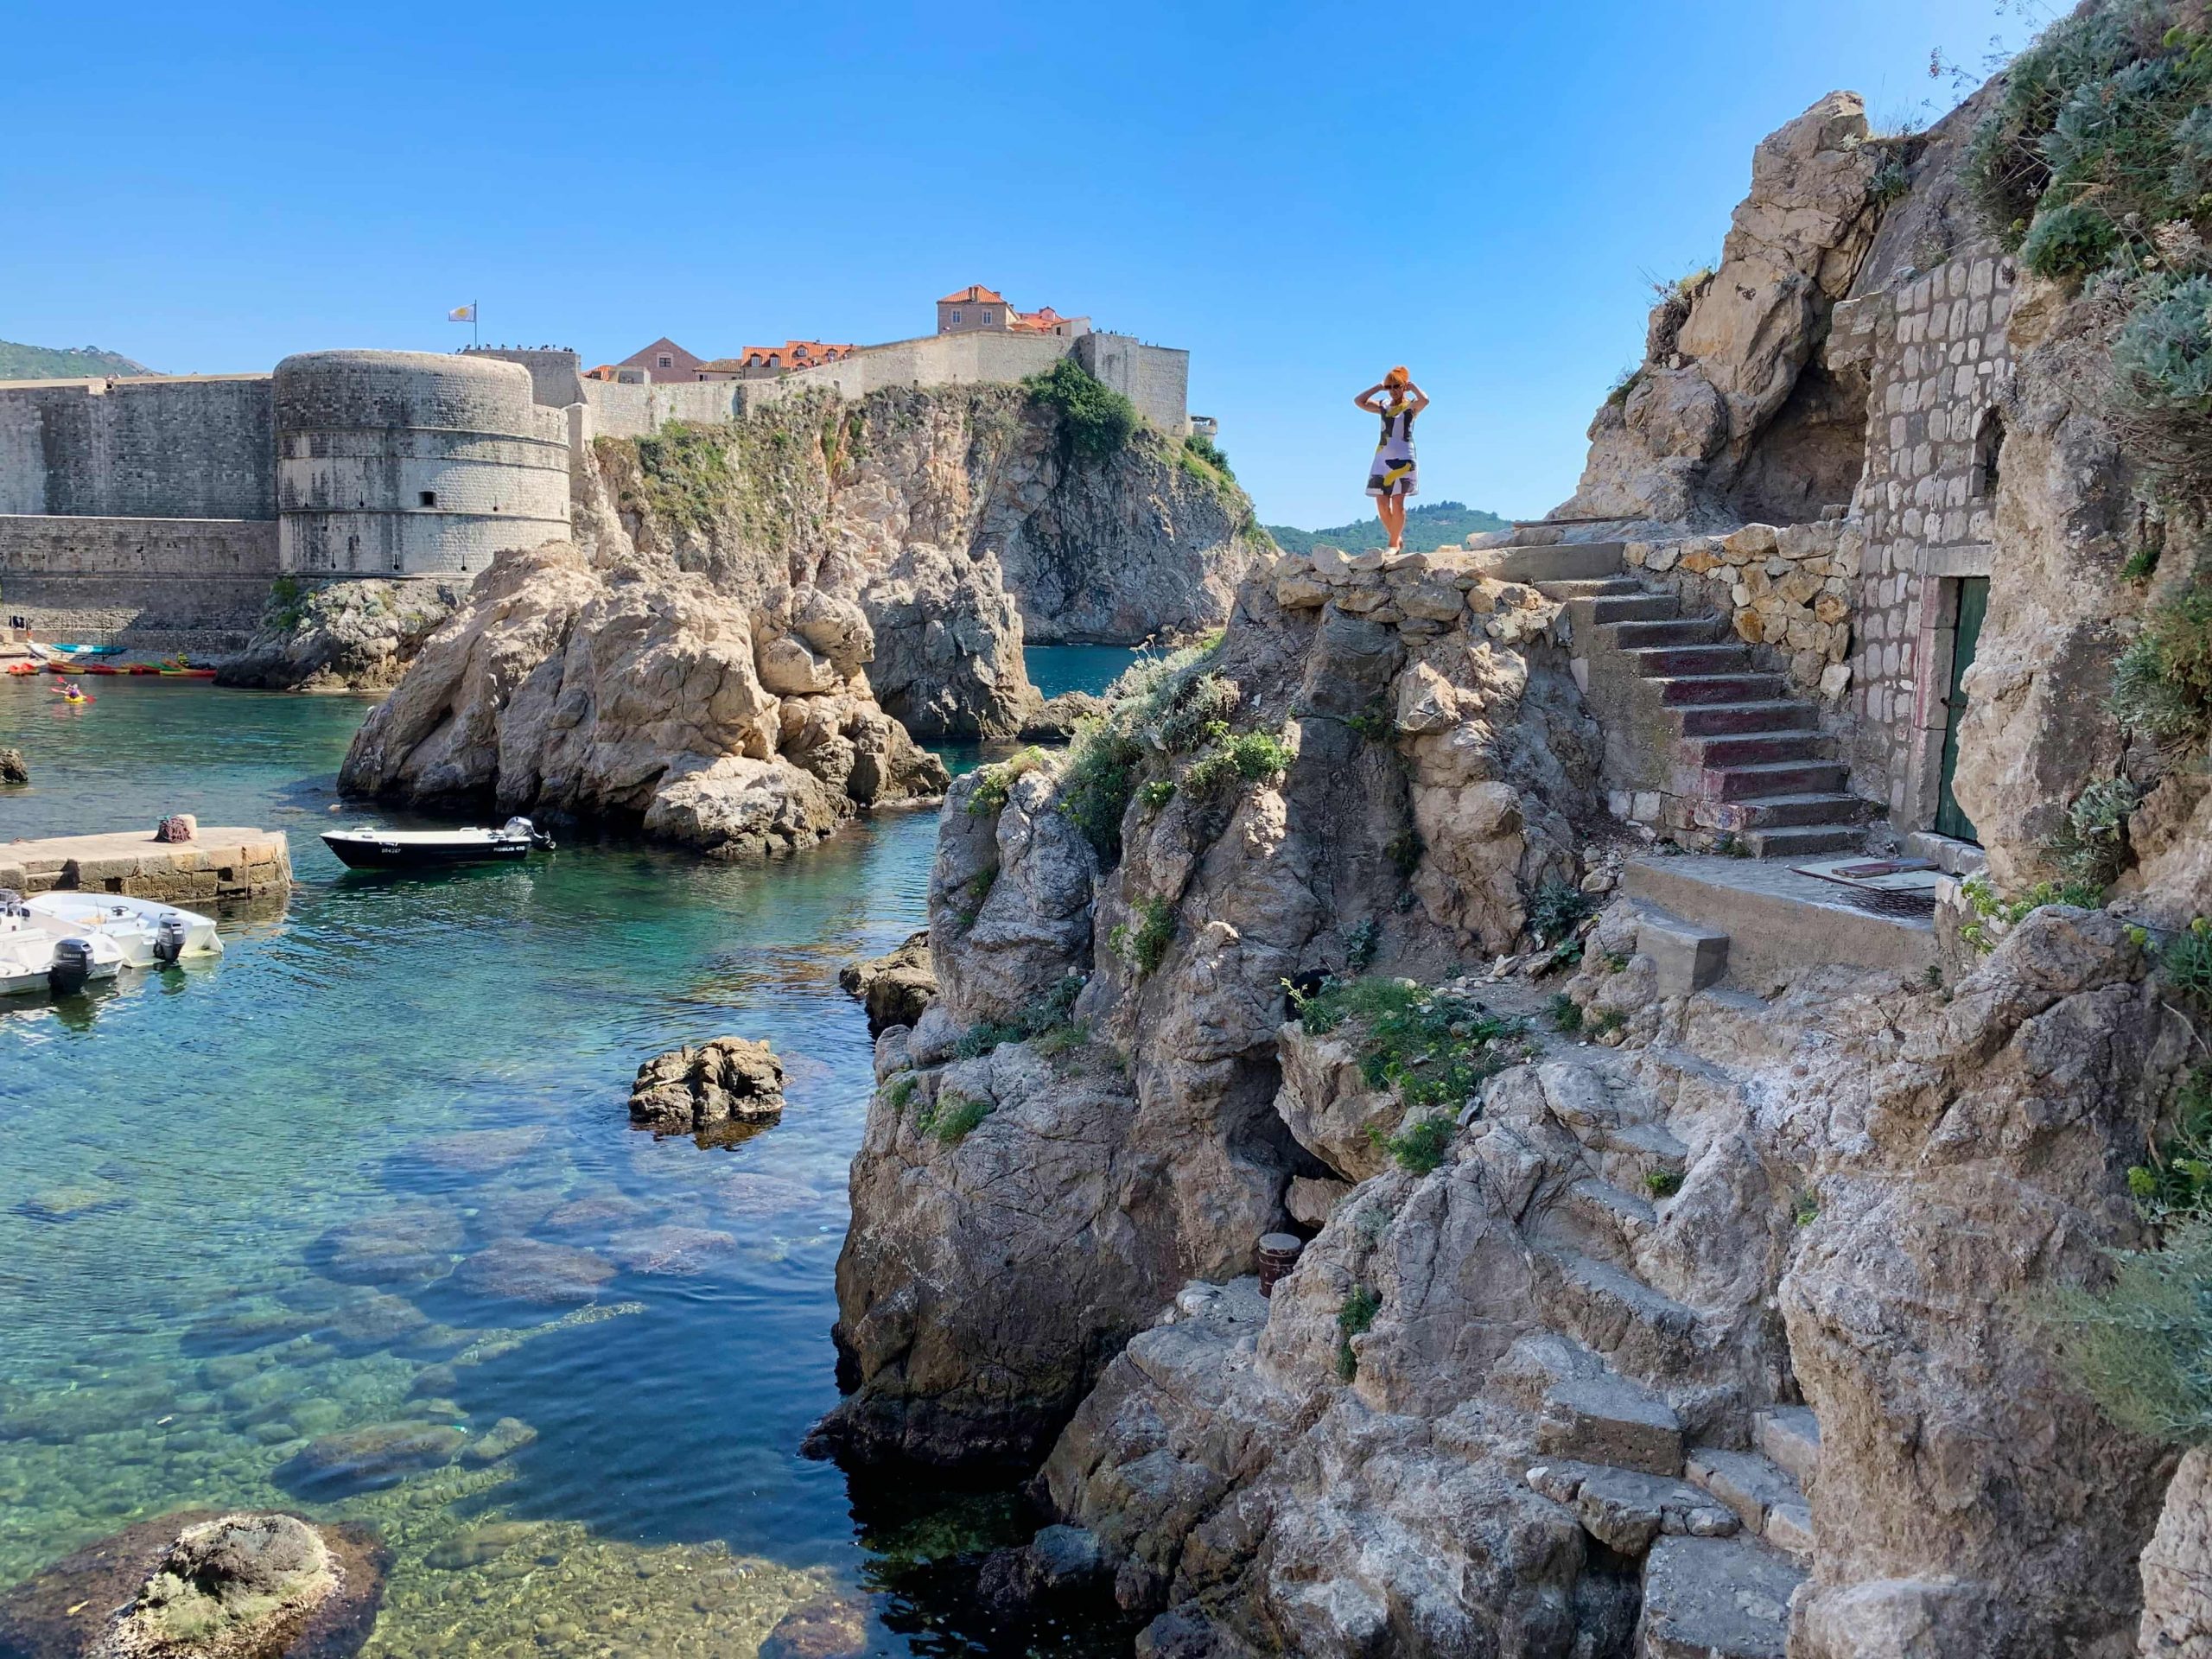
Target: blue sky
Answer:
[[1301, 194]]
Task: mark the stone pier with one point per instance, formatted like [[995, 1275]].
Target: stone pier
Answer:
[[218, 863]]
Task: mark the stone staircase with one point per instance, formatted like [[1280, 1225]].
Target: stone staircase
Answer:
[[1690, 716], [1655, 1424]]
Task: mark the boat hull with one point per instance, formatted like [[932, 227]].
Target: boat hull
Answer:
[[361, 854]]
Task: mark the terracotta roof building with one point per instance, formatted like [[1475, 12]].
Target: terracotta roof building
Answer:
[[765, 362], [663, 360], [977, 309]]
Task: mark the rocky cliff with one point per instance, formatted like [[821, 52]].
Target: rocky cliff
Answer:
[[1860, 1319]]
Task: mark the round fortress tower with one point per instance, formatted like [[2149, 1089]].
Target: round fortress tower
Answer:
[[412, 463]]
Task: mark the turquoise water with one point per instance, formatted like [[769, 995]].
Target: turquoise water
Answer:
[[1055, 669], [242, 1208]]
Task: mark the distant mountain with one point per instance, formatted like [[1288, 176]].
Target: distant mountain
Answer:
[[62, 362], [1438, 524]]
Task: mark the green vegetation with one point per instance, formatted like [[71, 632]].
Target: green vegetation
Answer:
[[899, 1090], [1362, 940], [1557, 910], [2090, 847], [1604, 1021], [1108, 751], [2185, 963], [1193, 712], [1564, 1013], [952, 1115], [1355, 1318], [994, 782], [19, 362], [1096, 423], [2142, 564], [2178, 1181], [1805, 1209], [1982, 898], [1891, 179], [1144, 945], [683, 475], [1249, 756], [1441, 524], [1433, 1048], [1404, 850], [1375, 722], [288, 606], [1422, 1147], [2162, 683], [1157, 793], [2068, 243], [1055, 1012], [1201, 457], [1663, 1182]]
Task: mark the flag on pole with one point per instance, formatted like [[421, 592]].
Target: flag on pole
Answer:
[[463, 313]]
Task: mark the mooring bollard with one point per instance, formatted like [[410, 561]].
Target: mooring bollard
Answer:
[[1279, 1254]]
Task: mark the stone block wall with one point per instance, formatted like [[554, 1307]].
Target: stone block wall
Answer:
[[198, 447], [1933, 349], [1787, 591], [169, 577]]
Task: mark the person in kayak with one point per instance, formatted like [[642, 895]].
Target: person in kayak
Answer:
[[1392, 476]]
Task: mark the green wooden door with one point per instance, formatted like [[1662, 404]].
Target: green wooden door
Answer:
[[1974, 601]]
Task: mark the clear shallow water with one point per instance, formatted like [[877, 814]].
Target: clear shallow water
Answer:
[[193, 1285], [1055, 669]]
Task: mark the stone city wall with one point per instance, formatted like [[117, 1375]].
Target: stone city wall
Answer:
[[165, 576], [1937, 364], [185, 448], [638, 411], [1156, 379]]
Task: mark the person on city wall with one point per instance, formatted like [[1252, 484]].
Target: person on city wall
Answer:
[[1392, 476]]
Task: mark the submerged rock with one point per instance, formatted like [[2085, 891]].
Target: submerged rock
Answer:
[[529, 1270], [402, 1246], [669, 1249], [896, 986], [365, 1459], [200, 1585], [833, 1628], [479, 1151], [729, 1080], [503, 1440]]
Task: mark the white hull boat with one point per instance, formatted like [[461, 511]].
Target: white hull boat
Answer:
[[150, 934], [32, 958], [372, 848]]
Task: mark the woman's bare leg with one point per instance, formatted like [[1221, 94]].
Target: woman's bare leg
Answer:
[[1393, 520], [1382, 512]]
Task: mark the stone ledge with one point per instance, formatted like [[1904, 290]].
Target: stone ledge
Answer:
[[218, 863]]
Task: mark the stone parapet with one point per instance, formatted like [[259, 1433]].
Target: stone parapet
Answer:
[[218, 863], [1787, 591]]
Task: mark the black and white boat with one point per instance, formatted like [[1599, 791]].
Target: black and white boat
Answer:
[[372, 848]]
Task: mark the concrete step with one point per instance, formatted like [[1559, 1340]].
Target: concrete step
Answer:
[[1760, 748], [1592, 588], [1568, 562], [1786, 811], [1641, 1333], [1685, 957], [1774, 714], [1763, 1495], [1681, 690], [1626, 1510], [1642, 635], [1715, 1599], [1778, 778], [1609, 1420], [1633, 607], [1670, 662], [1790, 1435], [1803, 841], [1779, 923]]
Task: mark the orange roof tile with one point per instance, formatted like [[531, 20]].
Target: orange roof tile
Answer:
[[974, 294]]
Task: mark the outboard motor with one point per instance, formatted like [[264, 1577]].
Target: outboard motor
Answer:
[[519, 828], [168, 939], [73, 966], [11, 905]]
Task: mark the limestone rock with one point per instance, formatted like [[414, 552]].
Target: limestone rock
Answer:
[[897, 987], [203, 1585], [833, 1628], [13, 769], [2177, 1567], [730, 1079], [342, 635]]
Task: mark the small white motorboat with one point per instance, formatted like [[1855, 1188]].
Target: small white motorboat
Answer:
[[32, 958], [150, 933], [371, 848]]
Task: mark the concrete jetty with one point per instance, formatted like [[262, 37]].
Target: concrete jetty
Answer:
[[216, 863]]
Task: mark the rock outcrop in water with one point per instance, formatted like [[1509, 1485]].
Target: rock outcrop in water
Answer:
[[341, 636], [729, 1080], [203, 1585], [896, 988]]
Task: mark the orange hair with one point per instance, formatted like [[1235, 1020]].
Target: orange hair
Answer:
[[1396, 378]]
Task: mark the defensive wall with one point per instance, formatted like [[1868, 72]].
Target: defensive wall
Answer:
[[163, 507], [1156, 379]]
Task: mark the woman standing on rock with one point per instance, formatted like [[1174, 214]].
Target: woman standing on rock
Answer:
[[1392, 477]]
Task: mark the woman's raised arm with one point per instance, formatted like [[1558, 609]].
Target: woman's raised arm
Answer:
[[1364, 399]]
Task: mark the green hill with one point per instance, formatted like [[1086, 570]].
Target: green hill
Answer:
[[62, 362], [1438, 524]]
